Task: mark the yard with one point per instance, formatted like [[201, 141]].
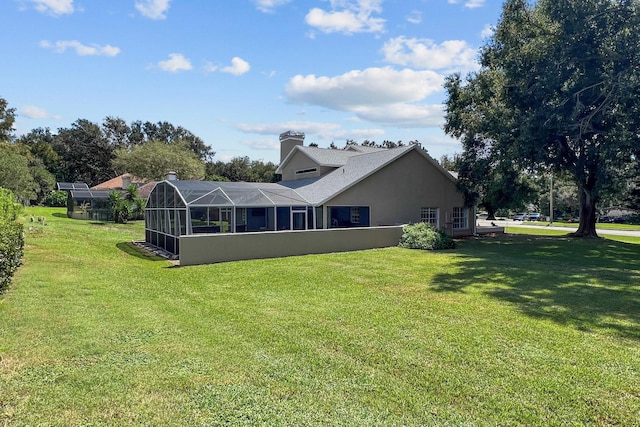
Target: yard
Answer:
[[516, 330]]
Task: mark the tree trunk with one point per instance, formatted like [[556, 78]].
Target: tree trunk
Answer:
[[587, 227], [491, 213]]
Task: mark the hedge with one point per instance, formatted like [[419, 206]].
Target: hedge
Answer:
[[11, 238]]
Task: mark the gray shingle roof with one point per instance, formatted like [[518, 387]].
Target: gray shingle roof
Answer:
[[328, 157], [356, 168]]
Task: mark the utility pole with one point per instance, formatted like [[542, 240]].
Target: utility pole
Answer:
[[551, 199]]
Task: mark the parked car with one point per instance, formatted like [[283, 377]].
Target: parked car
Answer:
[[533, 216], [519, 217]]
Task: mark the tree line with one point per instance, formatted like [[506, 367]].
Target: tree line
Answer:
[[31, 164]]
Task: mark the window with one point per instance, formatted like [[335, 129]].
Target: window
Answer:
[[429, 215], [460, 218], [303, 171], [355, 215]]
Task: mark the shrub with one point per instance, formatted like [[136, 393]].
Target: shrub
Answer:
[[11, 238], [424, 236], [56, 199]]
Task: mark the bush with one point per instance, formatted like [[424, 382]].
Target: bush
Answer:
[[11, 238], [57, 199], [425, 236]]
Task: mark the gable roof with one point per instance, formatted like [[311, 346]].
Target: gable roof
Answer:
[[357, 167], [322, 156]]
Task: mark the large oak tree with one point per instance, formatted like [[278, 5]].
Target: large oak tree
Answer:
[[558, 89]]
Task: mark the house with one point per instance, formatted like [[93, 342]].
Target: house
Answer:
[[93, 203], [121, 182], [321, 189]]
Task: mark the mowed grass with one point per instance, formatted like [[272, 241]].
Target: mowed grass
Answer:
[[514, 330]]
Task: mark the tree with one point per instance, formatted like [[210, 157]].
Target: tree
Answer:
[[85, 153], [449, 162], [493, 186], [557, 90], [15, 174], [117, 132], [127, 205], [241, 169], [40, 143], [153, 159], [7, 118]]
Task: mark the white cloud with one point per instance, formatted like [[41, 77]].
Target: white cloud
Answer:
[[347, 16], [404, 115], [372, 86], [33, 112], [415, 17], [176, 62], [262, 143], [472, 4], [54, 7], [380, 95], [425, 53], [487, 31], [278, 128], [238, 67], [153, 9], [469, 4], [269, 5], [209, 67], [81, 49]]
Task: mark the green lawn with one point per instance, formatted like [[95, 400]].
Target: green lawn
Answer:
[[516, 330]]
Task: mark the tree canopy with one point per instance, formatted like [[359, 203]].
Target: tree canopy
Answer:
[[153, 159], [557, 91], [242, 169]]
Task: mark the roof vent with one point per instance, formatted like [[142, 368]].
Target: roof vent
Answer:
[[172, 176]]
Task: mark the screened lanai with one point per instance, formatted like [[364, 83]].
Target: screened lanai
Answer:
[[179, 208], [85, 203]]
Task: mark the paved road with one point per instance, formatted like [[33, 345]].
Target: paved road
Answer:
[[511, 223]]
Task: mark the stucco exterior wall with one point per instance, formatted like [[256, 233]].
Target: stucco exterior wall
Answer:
[[300, 161], [213, 248], [396, 193]]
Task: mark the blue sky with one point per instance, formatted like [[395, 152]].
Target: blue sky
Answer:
[[237, 73]]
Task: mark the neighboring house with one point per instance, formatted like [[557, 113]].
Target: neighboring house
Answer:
[[320, 189], [93, 203], [121, 182]]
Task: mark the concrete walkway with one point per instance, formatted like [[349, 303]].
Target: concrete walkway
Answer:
[[511, 223]]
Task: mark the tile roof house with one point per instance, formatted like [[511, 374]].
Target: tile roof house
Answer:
[[320, 189], [120, 182]]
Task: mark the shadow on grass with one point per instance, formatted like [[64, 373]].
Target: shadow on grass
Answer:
[[138, 252], [585, 283], [59, 215]]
